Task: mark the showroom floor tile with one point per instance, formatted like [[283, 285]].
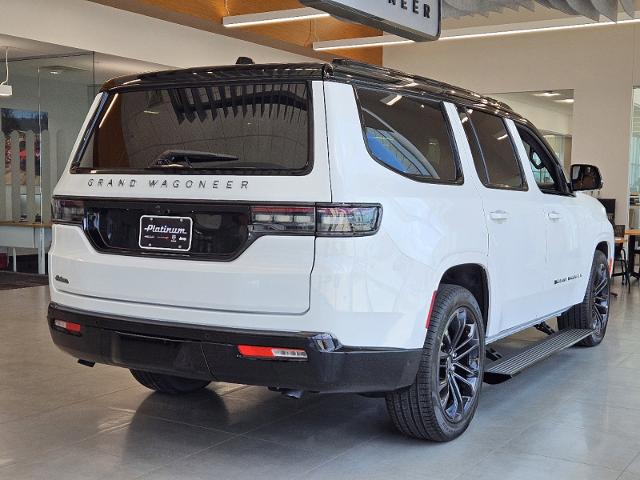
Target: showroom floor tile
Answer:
[[577, 415]]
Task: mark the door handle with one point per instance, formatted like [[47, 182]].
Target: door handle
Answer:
[[554, 216], [499, 215]]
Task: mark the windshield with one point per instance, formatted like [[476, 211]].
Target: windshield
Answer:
[[247, 129]]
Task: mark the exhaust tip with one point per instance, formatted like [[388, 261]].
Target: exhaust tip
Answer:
[[289, 393]]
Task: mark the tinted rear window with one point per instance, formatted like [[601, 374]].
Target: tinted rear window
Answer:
[[249, 129], [408, 135]]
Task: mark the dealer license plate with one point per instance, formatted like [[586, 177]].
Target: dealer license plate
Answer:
[[165, 233]]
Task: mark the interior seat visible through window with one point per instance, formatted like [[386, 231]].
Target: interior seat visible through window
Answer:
[[545, 167]]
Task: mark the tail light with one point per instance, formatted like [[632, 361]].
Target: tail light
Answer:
[[65, 210], [322, 220], [344, 220], [283, 219]]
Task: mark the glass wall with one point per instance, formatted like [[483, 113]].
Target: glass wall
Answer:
[[634, 159], [634, 162], [38, 125]]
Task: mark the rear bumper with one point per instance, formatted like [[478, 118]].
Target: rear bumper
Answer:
[[211, 353]]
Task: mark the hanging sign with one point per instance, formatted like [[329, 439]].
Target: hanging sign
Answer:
[[417, 20]]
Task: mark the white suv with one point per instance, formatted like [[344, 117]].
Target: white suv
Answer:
[[321, 228]]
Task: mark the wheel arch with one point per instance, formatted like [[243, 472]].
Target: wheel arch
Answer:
[[603, 247], [474, 277]]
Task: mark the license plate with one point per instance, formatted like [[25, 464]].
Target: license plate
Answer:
[[165, 233]]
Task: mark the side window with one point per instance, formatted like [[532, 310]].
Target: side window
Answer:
[[546, 170], [503, 168], [478, 161], [408, 135]]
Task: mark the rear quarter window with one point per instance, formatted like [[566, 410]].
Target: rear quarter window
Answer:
[[409, 136]]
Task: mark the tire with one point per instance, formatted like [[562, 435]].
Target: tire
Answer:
[[593, 312], [425, 410], [168, 383]]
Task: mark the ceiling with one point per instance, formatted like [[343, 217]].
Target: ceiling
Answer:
[[298, 37], [29, 58], [592, 9]]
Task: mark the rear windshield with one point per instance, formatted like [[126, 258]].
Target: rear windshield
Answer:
[[240, 129]]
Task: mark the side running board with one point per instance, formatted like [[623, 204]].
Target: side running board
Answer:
[[510, 366]]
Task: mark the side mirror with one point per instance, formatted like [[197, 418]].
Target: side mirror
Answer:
[[585, 177]]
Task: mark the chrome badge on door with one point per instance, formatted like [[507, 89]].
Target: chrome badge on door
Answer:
[[165, 233]]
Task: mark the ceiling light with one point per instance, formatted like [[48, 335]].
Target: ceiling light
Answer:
[[391, 100], [546, 94], [389, 40], [566, 100], [106, 115], [277, 16], [381, 41], [60, 69]]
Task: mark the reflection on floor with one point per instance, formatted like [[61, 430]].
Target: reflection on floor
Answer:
[[575, 416], [11, 280]]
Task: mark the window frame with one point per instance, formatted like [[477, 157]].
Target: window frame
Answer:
[[524, 187], [438, 105], [564, 185], [102, 107]]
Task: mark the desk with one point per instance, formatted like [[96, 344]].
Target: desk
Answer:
[[633, 235], [26, 235]]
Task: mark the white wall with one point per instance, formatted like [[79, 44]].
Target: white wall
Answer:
[[90, 26], [597, 63], [548, 119]]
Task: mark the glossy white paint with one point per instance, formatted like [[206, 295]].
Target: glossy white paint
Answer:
[[272, 276], [370, 291], [426, 229]]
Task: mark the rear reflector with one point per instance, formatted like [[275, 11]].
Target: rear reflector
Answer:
[[68, 326], [433, 302], [274, 353], [610, 266]]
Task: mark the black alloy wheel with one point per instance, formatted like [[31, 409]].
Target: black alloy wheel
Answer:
[[441, 402], [594, 312], [459, 374], [601, 297]]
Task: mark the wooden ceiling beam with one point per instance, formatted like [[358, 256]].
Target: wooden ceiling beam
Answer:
[[295, 37]]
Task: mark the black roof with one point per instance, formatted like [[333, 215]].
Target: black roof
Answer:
[[346, 71]]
